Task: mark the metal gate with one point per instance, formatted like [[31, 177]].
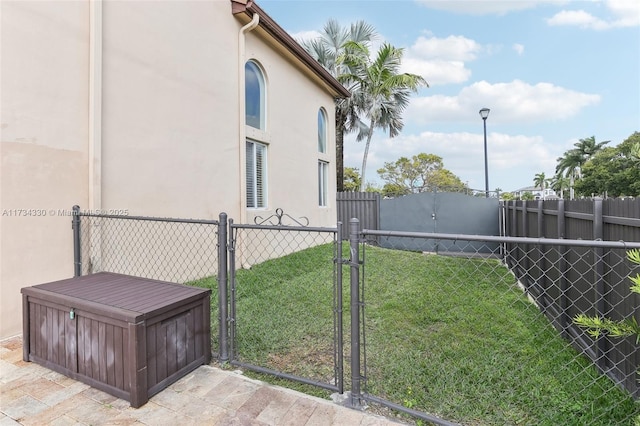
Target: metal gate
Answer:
[[277, 274], [441, 212]]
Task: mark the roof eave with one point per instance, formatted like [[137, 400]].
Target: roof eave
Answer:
[[249, 8]]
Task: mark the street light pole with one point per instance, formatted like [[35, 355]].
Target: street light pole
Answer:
[[484, 113]]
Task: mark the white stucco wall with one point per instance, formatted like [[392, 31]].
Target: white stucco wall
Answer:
[[44, 96], [169, 109], [171, 139], [167, 139]]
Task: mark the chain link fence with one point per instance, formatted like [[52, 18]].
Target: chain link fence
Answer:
[[176, 250], [478, 331], [285, 303], [185, 251], [483, 333]]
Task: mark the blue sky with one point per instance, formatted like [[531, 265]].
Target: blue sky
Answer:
[[552, 72]]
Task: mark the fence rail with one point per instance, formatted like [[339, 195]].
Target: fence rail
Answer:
[[609, 220]]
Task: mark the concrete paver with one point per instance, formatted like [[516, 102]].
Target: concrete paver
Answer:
[[33, 395]]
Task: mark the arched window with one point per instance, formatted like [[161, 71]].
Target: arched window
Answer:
[[254, 95], [322, 130]]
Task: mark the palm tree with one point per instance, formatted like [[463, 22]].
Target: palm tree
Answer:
[[559, 183], [588, 147], [570, 164], [540, 180], [382, 93], [329, 50]]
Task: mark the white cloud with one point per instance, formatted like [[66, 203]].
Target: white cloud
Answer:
[[484, 7], [437, 72], [622, 13], [453, 48], [441, 60], [514, 102], [626, 12], [519, 48], [578, 18]]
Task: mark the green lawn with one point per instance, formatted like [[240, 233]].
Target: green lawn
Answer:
[[452, 337]]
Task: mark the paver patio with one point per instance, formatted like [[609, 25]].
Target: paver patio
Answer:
[[33, 395]]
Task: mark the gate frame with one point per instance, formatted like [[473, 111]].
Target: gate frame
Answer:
[[338, 334]]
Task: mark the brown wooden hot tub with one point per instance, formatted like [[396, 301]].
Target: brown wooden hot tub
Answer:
[[128, 336]]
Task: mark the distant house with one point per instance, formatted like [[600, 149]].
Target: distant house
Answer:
[[172, 109], [548, 194]]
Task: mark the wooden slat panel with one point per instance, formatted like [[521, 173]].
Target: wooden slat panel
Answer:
[[126, 361], [199, 317], [171, 350], [102, 351], [49, 333], [71, 344], [95, 349], [42, 332], [81, 346], [33, 309], [110, 355], [191, 343], [152, 355], [181, 341], [118, 359], [161, 357], [60, 346]]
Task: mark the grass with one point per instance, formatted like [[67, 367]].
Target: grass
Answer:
[[452, 337]]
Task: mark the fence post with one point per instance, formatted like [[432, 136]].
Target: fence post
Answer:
[[514, 219], [75, 225], [232, 291], [541, 279], [354, 262], [339, 315], [525, 247], [598, 278], [223, 327], [562, 268]]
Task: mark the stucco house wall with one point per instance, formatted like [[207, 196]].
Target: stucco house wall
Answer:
[[44, 92], [139, 106]]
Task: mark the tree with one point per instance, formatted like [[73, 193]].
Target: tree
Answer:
[[588, 147], [507, 196], [612, 171], [351, 179], [422, 173], [329, 50], [559, 183], [527, 196], [540, 180], [382, 92], [570, 164]]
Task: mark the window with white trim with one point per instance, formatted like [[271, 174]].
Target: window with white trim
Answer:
[[323, 181], [256, 175], [322, 130], [254, 93]]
